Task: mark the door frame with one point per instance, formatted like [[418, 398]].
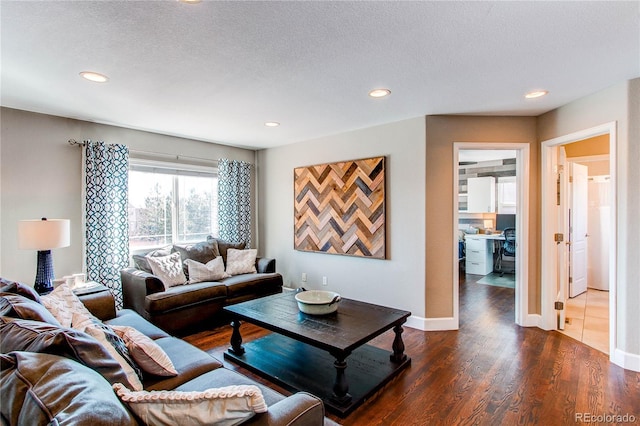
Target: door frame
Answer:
[[547, 243], [522, 316]]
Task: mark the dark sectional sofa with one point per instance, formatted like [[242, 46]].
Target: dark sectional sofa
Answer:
[[185, 307], [56, 375]]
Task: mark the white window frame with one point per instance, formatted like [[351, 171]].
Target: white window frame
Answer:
[[506, 207], [170, 168]]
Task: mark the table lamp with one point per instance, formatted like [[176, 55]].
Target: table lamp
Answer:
[[44, 235]]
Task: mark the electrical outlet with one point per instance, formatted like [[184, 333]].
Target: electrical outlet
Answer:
[[324, 280], [304, 277]]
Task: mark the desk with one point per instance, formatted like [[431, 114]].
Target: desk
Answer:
[[479, 252], [495, 237]]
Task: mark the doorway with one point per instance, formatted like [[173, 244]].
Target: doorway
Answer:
[[555, 254], [587, 308], [488, 222]]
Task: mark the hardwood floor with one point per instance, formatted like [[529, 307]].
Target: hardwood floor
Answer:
[[489, 372]]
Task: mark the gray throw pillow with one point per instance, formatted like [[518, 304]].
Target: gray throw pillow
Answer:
[[36, 336], [16, 306], [223, 246], [8, 286]]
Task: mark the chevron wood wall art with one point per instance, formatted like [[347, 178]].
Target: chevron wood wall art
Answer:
[[339, 208]]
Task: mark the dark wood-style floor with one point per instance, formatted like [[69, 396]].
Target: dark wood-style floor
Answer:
[[489, 372]]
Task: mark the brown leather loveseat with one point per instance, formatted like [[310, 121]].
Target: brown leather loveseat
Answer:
[[179, 308]]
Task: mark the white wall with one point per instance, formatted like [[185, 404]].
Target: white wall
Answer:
[[397, 281], [40, 176]]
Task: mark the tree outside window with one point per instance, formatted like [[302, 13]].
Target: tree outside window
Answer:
[[170, 208]]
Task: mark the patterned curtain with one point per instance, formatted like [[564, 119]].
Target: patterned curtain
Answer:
[[106, 215], [234, 200]]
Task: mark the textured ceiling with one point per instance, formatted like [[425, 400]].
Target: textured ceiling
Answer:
[[216, 71]]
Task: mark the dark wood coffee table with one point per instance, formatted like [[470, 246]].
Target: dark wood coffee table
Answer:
[[310, 353]]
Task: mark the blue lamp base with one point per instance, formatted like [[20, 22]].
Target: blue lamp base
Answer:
[[44, 274]]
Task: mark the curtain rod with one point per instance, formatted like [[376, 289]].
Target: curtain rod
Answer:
[[74, 142]]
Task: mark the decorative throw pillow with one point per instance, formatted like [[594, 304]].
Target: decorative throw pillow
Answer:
[[200, 252], [35, 336], [241, 261], [145, 352], [63, 303], [212, 271], [118, 350], [168, 269], [229, 405], [224, 246], [141, 261], [14, 305], [45, 389]]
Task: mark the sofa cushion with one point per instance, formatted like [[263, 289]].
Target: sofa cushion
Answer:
[[146, 353], [8, 286], [229, 405], [14, 305], [36, 336], [168, 269], [213, 270], [189, 361], [258, 284], [49, 389], [63, 304], [132, 319], [201, 252], [181, 296], [241, 261], [223, 246], [141, 262]]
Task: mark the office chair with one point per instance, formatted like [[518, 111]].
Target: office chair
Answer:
[[508, 248]]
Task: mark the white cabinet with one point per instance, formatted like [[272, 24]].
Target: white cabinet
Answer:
[[481, 195], [478, 255]]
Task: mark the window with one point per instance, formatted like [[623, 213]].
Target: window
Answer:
[[507, 195], [171, 203]]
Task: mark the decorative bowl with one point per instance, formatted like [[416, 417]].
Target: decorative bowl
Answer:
[[317, 302]]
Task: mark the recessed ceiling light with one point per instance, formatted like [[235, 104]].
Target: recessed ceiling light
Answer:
[[94, 76], [190, 1], [379, 93], [272, 124], [536, 94]]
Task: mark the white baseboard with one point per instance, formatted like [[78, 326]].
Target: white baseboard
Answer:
[[533, 320], [626, 360], [431, 324]]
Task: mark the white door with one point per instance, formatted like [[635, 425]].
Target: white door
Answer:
[[578, 229]]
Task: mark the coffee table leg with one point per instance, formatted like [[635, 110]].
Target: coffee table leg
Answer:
[[398, 345], [341, 386], [236, 339]]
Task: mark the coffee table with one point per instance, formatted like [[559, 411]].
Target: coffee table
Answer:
[[324, 355]]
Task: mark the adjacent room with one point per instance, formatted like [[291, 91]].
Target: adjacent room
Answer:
[[319, 212]]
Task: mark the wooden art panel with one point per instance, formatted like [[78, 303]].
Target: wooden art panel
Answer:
[[339, 208]]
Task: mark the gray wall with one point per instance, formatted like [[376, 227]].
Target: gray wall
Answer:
[[40, 176], [397, 281]]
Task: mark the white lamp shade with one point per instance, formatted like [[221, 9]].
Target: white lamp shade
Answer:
[[44, 234]]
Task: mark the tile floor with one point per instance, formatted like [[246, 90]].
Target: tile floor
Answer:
[[588, 319]]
